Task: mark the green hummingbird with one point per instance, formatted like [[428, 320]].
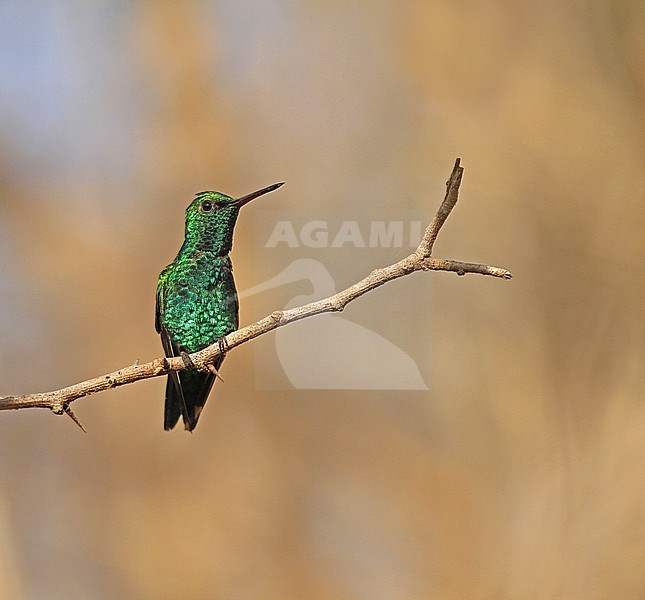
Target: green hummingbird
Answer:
[[197, 301]]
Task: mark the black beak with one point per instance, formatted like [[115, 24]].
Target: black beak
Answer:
[[245, 199]]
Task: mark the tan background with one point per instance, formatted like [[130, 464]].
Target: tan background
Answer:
[[520, 474]]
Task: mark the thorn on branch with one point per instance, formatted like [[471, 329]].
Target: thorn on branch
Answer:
[[214, 371], [70, 413]]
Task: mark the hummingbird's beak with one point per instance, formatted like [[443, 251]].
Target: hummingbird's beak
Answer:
[[244, 199]]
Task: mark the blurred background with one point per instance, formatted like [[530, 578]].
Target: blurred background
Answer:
[[519, 473]]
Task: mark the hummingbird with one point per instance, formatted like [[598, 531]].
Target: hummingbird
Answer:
[[197, 302]]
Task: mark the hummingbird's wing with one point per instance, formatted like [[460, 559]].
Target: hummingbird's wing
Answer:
[[186, 391], [159, 299], [175, 399]]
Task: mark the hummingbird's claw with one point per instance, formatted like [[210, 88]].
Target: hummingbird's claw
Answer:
[[222, 344], [187, 360]]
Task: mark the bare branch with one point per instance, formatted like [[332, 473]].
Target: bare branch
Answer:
[[449, 201], [420, 260]]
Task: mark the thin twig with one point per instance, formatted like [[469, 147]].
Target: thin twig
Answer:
[[449, 202], [420, 260]]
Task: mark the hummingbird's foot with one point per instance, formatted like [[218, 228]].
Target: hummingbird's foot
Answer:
[[223, 348], [187, 360], [222, 344]]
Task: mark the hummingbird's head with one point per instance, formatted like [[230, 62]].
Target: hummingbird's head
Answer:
[[211, 217]]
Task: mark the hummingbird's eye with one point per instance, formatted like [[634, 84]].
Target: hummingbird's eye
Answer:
[[207, 206]]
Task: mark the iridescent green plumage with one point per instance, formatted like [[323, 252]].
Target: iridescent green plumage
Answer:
[[197, 300]]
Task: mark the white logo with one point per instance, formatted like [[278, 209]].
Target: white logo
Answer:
[[321, 352]]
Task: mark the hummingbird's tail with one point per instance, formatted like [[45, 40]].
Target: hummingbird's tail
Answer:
[[172, 409], [186, 394]]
